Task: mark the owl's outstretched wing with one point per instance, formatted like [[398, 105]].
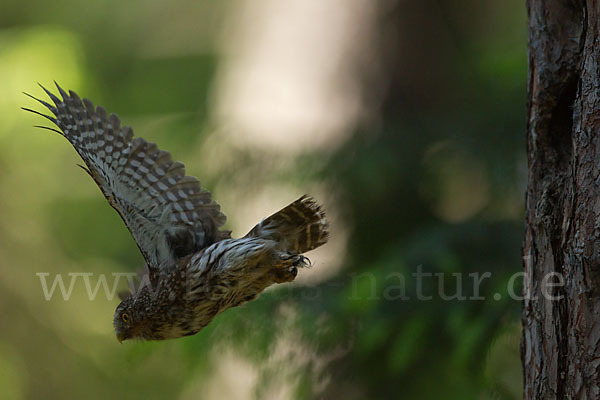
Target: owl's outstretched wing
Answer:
[[168, 214]]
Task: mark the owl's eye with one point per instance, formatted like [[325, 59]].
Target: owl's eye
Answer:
[[125, 317]]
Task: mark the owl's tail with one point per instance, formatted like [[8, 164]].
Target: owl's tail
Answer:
[[297, 228]]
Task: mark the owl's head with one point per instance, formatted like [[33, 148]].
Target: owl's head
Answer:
[[129, 323]]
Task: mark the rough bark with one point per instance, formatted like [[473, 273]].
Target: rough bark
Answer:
[[560, 344]]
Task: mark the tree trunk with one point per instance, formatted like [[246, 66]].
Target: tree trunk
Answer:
[[561, 337]]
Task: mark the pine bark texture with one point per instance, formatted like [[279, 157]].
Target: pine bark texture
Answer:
[[560, 346]]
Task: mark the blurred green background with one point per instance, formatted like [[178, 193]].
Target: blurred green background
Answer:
[[405, 118]]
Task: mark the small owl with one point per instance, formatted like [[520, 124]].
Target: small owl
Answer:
[[194, 270]]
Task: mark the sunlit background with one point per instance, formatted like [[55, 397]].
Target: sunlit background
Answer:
[[404, 118]]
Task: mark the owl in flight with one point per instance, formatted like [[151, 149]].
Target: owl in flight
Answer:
[[194, 270]]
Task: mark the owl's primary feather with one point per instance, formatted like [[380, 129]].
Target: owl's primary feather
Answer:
[[168, 214], [195, 269]]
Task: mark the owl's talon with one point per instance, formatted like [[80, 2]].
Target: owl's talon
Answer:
[[301, 261], [285, 275], [288, 270]]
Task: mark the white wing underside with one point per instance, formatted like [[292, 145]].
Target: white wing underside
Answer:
[[168, 214]]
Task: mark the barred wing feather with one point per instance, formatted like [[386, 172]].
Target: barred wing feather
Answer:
[[168, 214]]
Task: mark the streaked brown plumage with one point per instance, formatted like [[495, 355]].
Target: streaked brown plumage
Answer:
[[195, 270]]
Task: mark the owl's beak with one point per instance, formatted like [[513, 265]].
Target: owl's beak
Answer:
[[121, 337]]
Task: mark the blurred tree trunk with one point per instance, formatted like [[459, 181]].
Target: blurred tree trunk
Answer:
[[560, 347]]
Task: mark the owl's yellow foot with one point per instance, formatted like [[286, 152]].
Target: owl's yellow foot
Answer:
[[287, 270]]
